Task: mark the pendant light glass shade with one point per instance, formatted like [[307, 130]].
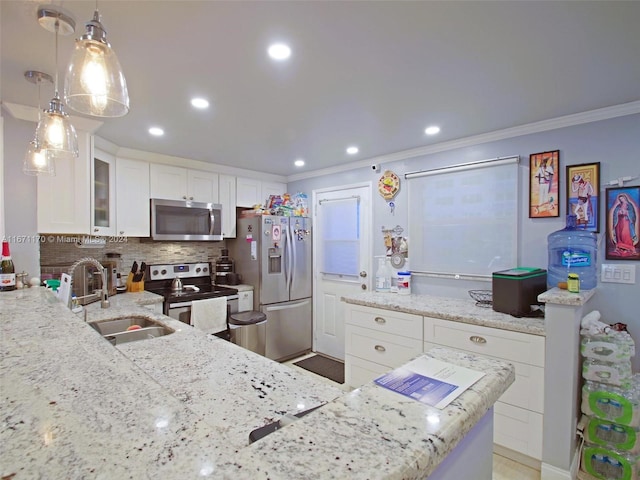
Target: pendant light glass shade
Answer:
[[37, 161], [55, 133], [94, 83]]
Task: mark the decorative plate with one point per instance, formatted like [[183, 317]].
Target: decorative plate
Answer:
[[388, 185], [397, 260]]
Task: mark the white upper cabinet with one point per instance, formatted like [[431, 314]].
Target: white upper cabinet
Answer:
[[64, 200], [227, 192], [202, 186], [248, 192], [168, 182], [177, 183], [103, 193], [132, 198], [252, 192], [272, 188]]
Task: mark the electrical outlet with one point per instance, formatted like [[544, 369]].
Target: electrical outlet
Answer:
[[615, 273]]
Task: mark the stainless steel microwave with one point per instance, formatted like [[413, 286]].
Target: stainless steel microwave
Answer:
[[185, 220]]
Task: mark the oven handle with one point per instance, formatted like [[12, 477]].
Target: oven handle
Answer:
[[188, 304], [179, 305]]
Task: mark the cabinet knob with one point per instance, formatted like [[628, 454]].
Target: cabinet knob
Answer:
[[184, 197], [380, 320], [363, 274], [477, 339], [380, 348], [121, 232], [190, 198], [95, 229], [363, 286]]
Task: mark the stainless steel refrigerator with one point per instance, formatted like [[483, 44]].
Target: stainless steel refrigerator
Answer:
[[273, 254]]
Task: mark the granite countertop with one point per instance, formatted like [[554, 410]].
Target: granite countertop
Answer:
[[455, 309], [183, 405]]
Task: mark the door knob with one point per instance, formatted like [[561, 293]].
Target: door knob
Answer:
[[363, 274]]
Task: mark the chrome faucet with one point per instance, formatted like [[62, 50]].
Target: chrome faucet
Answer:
[[104, 294]]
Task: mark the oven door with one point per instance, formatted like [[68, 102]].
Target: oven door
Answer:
[[182, 310]]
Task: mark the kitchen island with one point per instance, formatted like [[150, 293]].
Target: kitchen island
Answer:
[[183, 405]]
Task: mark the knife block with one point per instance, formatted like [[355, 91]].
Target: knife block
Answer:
[[134, 286]]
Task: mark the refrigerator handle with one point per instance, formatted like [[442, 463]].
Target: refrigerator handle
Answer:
[[292, 252], [288, 260]]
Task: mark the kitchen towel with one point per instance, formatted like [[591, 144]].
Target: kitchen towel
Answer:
[[209, 315]]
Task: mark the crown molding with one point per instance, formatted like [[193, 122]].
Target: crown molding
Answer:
[[606, 113]]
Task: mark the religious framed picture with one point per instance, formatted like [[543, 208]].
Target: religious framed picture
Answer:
[[583, 195], [623, 231], [544, 181]]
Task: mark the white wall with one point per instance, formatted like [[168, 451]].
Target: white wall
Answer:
[[614, 143], [20, 197]]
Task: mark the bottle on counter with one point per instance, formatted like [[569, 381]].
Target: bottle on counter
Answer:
[[383, 275], [572, 250], [7, 270]]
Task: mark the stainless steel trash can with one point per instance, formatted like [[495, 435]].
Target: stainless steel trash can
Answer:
[[249, 330]]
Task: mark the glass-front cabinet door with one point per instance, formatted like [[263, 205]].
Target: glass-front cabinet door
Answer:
[[103, 201]]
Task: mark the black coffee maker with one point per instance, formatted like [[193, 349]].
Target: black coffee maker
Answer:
[[224, 265]]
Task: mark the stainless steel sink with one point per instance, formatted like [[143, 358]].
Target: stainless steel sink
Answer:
[[118, 330]]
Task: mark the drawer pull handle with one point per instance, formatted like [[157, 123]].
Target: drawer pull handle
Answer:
[[380, 348], [477, 339], [380, 320]]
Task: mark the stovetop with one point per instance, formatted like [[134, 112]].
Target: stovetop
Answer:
[[191, 274], [205, 291]]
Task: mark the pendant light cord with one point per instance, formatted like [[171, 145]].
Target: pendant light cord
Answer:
[[57, 28]]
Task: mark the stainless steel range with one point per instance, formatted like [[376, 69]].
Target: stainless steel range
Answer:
[[194, 284]]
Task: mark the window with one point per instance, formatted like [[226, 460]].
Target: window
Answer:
[[463, 220]]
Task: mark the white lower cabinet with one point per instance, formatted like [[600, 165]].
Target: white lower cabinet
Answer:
[[378, 341], [519, 411]]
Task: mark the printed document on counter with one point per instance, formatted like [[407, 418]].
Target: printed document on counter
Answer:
[[430, 381]]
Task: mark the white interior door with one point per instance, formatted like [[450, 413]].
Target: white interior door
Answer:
[[341, 259]]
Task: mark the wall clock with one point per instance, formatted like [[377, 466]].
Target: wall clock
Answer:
[[388, 185]]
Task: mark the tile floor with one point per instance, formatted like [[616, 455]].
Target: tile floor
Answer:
[[503, 468]]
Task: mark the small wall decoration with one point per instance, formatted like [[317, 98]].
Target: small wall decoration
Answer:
[[544, 178], [623, 230], [583, 197], [388, 187]]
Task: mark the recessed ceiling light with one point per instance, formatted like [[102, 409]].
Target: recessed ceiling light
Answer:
[[432, 130], [156, 131], [299, 163], [352, 150], [279, 51], [199, 103]]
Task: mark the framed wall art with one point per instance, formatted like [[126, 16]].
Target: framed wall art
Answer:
[[544, 181], [583, 195], [623, 231]]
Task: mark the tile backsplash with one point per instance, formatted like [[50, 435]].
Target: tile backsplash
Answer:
[[57, 255]]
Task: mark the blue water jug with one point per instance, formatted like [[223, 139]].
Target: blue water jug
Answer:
[[572, 250]]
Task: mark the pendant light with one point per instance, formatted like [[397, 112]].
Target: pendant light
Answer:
[[94, 83], [55, 133], [37, 161]]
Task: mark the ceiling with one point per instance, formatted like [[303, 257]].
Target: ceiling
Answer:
[[371, 74]]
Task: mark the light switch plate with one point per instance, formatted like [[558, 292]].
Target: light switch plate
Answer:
[[614, 273]]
